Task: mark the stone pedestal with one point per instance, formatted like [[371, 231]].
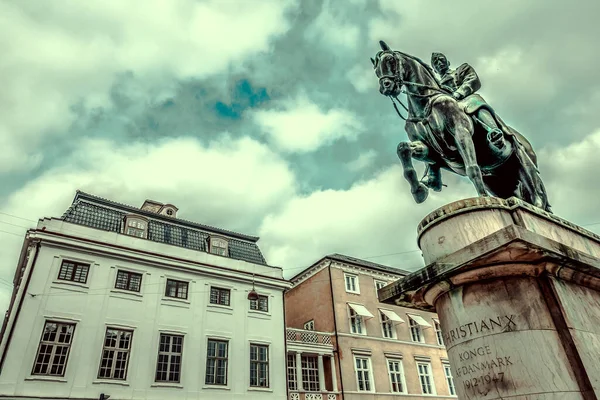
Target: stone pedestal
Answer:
[[517, 291]]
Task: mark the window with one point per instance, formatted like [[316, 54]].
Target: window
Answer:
[[73, 271], [220, 296], [438, 332], [135, 227], [379, 285], [291, 372], [310, 325], [216, 362], [115, 354], [53, 351], [356, 322], [310, 374], [218, 246], [168, 366], [259, 365], [425, 378], [262, 304], [449, 379], [169, 212], [128, 281], [416, 333], [363, 373], [387, 326], [396, 372], [177, 289], [351, 283]]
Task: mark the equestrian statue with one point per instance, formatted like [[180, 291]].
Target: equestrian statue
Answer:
[[452, 127]]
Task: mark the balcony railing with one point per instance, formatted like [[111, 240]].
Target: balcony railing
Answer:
[[308, 337], [313, 396]]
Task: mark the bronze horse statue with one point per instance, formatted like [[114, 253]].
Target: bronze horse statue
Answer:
[[445, 132]]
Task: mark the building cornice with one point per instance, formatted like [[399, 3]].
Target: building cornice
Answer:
[[55, 239], [346, 267], [366, 271]]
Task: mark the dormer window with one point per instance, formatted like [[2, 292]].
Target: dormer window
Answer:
[[218, 246], [170, 212], [136, 226]]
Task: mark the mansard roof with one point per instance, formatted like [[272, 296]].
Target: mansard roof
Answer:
[[99, 213]]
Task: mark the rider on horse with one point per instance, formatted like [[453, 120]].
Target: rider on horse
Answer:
[[462, 83]]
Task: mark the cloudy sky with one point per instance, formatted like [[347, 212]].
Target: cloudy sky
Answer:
[[264, 116]]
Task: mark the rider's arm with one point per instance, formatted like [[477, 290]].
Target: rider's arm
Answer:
[[469, 81]]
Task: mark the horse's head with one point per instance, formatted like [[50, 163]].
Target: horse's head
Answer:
[[388, 68]]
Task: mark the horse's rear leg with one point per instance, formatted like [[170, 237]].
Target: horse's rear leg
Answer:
[[418, 190], [463, 134]]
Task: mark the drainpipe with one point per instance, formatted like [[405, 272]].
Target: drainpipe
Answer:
[[287, 388], [23, 294], [337, 345]]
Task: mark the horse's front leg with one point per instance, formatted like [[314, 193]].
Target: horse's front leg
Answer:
[[418, 189], [463, 128]]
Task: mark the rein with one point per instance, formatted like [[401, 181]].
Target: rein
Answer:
[[396, 100]]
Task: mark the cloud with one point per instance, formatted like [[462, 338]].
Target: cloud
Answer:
[[372, 218], [71, 53], [229, 183], [363, 78], [334, 27], [299, 125], [571, 178], [363, 161]]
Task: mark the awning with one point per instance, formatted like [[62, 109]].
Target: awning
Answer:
[[420, 321], [361, 310], [392, 315]]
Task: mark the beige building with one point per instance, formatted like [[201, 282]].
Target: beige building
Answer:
[[343, 343]]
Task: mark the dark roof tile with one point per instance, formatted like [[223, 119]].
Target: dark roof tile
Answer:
[[107, 215]]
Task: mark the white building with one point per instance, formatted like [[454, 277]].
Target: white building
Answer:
[[138, 304]]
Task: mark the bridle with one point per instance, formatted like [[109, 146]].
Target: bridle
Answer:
[[397, 81]]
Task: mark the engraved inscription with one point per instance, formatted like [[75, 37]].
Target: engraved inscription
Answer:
[[479, 369], [477, 366], [500, 323]]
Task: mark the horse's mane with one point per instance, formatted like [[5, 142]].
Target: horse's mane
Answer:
[[422, 63]]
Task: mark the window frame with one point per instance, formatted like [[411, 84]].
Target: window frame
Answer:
[[369, 370], [129, 275], [219, 289], [116, 350], [311, 365], [309, 325], [55, 343], [170, 354], [437, 327], [362, 322], [257, 303], [218, 242], [139, 219], [291, 372], [449, 379], [384, 320], [216, 358], [415, 327], [177, 283], [356, 289], [399, 373], [75, 264], [259, 362], [378, 281], [429, 375]]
